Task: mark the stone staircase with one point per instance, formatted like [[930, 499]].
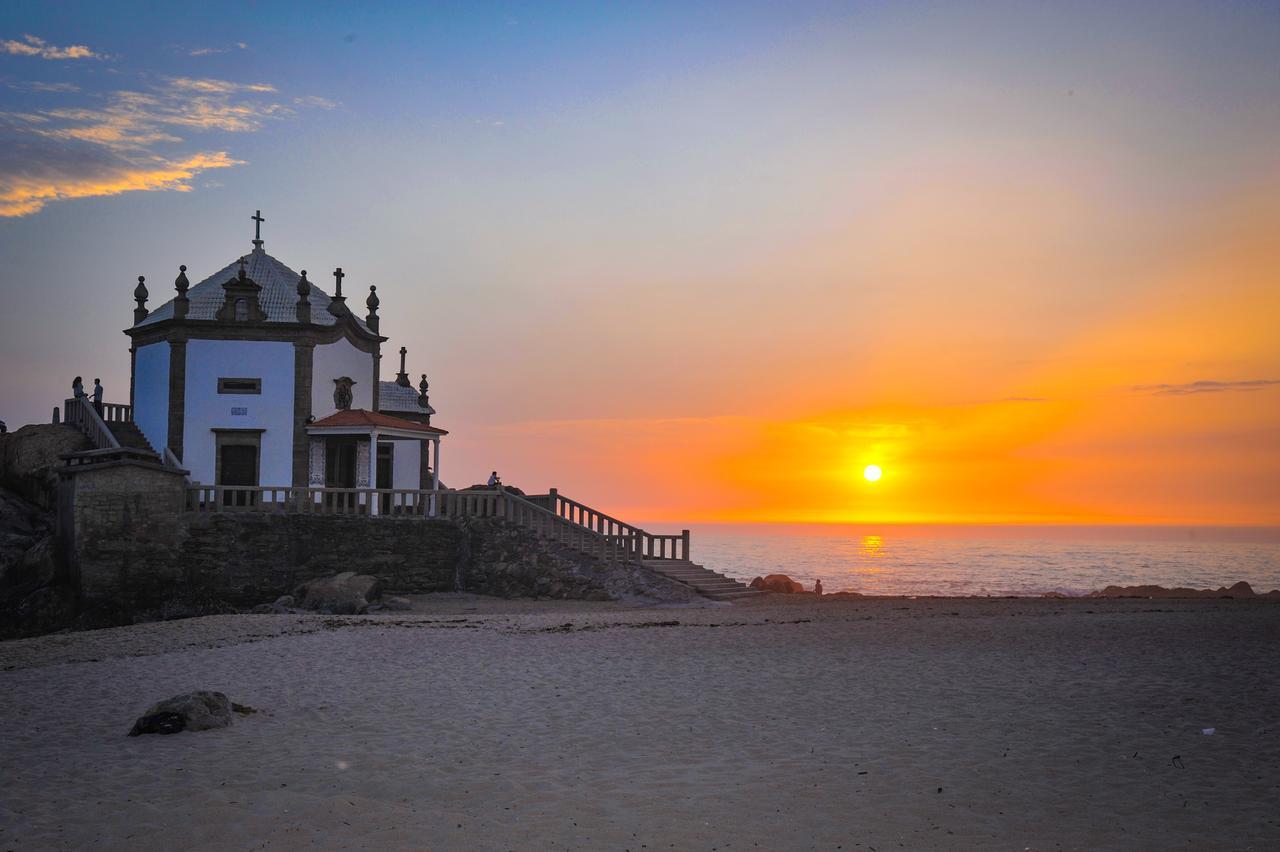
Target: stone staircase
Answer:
[[667, 555], [129, 435], [705, 582]]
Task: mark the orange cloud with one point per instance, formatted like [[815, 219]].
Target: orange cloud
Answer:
[[22, 196]]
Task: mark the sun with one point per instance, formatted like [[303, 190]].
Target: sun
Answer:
[[872, 473]]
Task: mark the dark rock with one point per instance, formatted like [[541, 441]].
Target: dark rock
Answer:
[[191, 711], [777, 583], [347, 593], [1239, 590]]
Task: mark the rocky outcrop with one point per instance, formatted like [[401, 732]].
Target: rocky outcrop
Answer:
[[508, 561], [777, 583], [36, 595], [191, 711], [1239, 590], [29, 459], [347, 593]]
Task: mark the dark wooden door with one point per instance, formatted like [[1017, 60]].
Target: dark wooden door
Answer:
[[239, 466], [384, 478]]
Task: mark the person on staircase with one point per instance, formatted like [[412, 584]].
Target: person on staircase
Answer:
[[97, 396]]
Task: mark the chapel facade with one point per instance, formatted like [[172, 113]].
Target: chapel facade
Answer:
[[257, 377]]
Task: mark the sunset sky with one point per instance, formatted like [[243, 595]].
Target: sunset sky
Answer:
[[704, 262]]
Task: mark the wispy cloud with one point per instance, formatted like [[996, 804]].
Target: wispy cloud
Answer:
[[34, 46], [40, 86], [127, 140], [315, 101], [1206, 386], [210, 51]]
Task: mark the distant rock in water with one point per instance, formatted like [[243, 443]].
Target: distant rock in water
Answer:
[[1239, 590], [191, 711], [777, 583]]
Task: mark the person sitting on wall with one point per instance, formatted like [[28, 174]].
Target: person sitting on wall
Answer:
[[77, 388], [494, 480]]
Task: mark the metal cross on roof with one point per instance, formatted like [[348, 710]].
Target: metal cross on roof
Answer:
[[257, 228]]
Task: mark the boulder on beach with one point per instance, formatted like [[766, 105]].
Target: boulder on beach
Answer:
[[777, 583], [192, 711], [347, 593]]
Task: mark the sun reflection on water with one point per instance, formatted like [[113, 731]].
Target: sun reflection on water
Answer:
[[871, 546]]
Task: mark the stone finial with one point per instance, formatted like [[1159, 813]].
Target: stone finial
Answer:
[[140, 296], [402, 378], [304, 300], [372, 303], [181, 303], [423, 387], [243, 273]]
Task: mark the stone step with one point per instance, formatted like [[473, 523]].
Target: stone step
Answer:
[[129, 435]]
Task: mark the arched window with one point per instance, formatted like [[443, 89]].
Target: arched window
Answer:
[[242, 310]]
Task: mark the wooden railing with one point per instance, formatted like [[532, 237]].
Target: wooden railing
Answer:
[[650, 546], [82, 415]]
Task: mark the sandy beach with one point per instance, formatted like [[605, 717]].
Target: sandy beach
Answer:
[[474, 723]]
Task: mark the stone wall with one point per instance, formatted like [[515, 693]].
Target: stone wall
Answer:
[[250, 558], [133, 553], [120, 525]]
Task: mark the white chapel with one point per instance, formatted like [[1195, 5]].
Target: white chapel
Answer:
[[256, 376]]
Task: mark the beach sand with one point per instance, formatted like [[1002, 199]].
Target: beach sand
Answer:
[[774, 723]]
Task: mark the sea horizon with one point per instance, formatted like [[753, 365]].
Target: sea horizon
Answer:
[[991, 560]]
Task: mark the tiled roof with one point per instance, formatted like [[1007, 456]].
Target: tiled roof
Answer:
[[364, 417], [394, 397], [279, 296]]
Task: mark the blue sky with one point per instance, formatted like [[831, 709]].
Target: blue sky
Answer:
[[638, 214]]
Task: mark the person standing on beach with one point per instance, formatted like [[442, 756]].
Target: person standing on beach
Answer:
[[97, 396], [817, 587]]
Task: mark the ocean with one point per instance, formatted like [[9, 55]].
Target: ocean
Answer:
[[997, 561]]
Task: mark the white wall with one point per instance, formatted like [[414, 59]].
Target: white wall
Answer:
[[272, 410], [333, 361], [151, 393], [404, 464]]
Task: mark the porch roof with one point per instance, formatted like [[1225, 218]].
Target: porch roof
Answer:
[[361, 420]]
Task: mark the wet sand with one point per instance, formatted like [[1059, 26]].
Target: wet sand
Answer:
[[777, 723]]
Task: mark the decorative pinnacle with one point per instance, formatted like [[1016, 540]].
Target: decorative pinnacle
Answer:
[[257, 229], [373, 301], [338, 275], [422, 385], [403, 352], [304, 286], [181, 283], [242, 274], [140, 292]]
